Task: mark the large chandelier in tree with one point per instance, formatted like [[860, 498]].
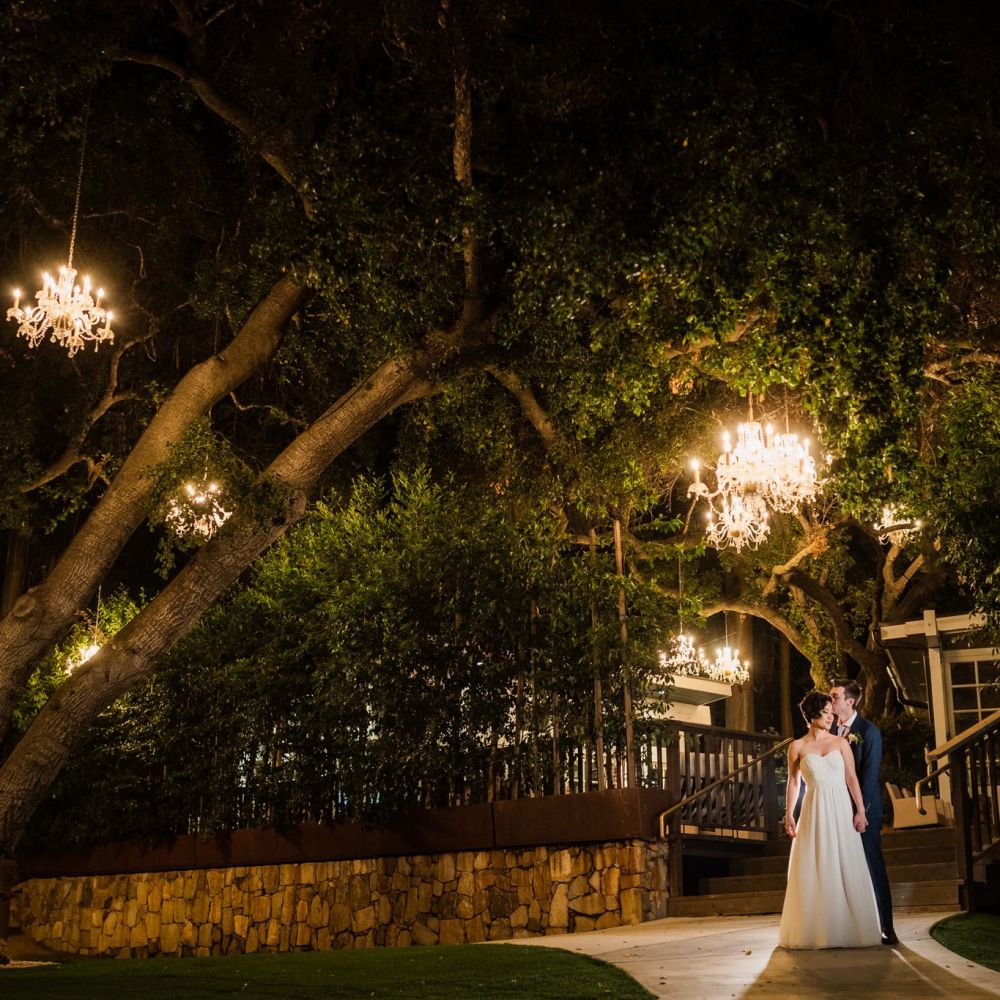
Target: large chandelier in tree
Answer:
[[70, 311], [763, 471]]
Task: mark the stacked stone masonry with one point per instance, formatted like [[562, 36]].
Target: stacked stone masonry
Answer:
[[423, 899]]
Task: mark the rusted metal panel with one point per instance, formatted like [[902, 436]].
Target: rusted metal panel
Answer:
[[611, 815]]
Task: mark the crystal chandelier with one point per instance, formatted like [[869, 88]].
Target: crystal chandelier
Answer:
[[81, 656], [896, 528], [763, 470], [741, 520], [776, 466], [728, 668], [65, 308], [86, 651], [197, 511], [683, 659]]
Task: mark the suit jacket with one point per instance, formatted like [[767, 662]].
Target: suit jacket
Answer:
[[868, 763]]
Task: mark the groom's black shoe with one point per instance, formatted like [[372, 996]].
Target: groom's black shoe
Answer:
[[889, 937]]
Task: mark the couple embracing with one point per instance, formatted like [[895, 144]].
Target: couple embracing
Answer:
[[838, 889]]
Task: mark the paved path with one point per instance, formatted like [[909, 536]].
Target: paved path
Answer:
[[721, 958]]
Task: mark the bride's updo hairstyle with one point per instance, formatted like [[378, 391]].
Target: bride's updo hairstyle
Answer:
[[812, 705]]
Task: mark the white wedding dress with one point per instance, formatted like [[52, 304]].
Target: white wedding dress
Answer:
[[829, 902]]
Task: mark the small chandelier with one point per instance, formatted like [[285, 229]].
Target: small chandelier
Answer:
[[683, 659], [86, 651], [741, 520], [197, 511], [65, 308], [728, 668], [896, 528], [81, 656]]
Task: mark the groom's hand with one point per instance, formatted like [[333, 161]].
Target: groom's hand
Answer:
[[860, 822]]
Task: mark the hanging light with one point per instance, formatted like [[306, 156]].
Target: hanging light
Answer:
[[778, 467], [895, 527], [728, 668], [81, 656], [762, 470], [197, 510], [682, 659], [739, 521], [86, 651], [69, 310]]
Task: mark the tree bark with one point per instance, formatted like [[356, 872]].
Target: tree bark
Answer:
[[630, 775], [128, 658], [40, 615], [785, 666]]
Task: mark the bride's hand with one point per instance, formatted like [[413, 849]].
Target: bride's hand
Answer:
[[790, 826], [860, 822]]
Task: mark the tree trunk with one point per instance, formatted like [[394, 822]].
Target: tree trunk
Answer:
[[602, 781], [785, 665], [39, 616], [630, 778], [129, 656], [15, 570]]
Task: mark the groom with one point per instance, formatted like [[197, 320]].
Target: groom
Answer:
[[867, 746]]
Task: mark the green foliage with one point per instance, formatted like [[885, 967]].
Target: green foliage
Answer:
[[403, 646], [112, 613]]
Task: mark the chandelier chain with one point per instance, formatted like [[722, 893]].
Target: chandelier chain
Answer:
[[79, 185]]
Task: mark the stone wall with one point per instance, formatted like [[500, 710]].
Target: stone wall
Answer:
[[419, 899]]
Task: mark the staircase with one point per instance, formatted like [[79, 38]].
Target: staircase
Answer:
[[923, 873]]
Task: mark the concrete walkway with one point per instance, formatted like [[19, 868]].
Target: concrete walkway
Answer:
[[721, 958]]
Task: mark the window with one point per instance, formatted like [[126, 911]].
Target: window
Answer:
[[975, 690]]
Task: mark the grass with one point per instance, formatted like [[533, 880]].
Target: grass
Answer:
[[974, 936], [474, 972]]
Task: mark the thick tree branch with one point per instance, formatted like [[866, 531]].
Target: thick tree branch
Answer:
[[737, 333], [273, 152], [864, 656], [819, 543], [532, 409], [131, 654], [462, 162], [72, 454], [42, 614]]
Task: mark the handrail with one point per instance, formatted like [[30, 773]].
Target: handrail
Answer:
[[964, 738], [715, 784], [930, 776]]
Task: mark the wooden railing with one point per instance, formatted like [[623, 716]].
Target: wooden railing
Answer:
[[683, 758], [729, 791], [972, 760]]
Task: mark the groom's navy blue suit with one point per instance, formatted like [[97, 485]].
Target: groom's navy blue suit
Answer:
[[867, 762]]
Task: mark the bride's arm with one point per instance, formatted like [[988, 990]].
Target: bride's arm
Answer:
[[792, 788], [860, 819]]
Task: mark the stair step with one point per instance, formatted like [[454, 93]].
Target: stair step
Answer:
[[939, 895], [895, 857], [928, 836], [776, 880]]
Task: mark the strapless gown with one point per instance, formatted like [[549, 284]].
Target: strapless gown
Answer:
[[829, 902]]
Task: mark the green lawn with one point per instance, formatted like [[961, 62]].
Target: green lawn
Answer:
[[480, 972], [975, 937]]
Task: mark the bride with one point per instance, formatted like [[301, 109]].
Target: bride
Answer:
[[829, 902]]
